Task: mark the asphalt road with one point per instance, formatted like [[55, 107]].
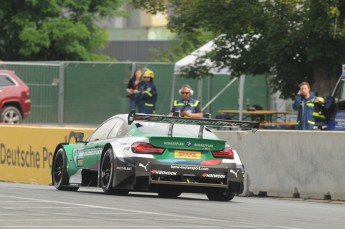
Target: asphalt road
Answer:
[[36, 206]]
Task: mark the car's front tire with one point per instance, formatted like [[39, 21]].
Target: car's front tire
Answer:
[[11, 115], [219, 195], [59, 172]]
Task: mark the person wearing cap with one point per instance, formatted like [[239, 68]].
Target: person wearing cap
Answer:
[[147, 94], [187, 106]]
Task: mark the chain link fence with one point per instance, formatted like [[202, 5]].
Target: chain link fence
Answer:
[[89, 92]]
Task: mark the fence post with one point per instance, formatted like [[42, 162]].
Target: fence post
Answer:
[[61, 93]]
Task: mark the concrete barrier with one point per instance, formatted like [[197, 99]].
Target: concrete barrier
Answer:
[[308, 164], [280, 163], [26, 152]]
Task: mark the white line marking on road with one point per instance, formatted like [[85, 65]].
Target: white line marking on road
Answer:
[[22, 214], [120, 226], [38, 207], [145, 212], [101, 207], [17, 201], [112, 213]]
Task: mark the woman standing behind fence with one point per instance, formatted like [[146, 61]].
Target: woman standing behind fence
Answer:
[[132, 88]]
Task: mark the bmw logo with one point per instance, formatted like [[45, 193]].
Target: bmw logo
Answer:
[[189, 144]]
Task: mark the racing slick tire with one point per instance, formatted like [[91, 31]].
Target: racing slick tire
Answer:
[[219, 195], [11, 115], [108, 174], [60, 176], [172, 194]]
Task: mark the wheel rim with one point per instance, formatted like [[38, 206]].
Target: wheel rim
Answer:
[[58, 168], [106, 170], [11, 117]]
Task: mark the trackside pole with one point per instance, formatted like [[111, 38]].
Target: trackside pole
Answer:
[[219, 93], [241, 95], [61, 93], [173, 90]]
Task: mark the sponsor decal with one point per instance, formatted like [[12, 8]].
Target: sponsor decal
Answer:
[[222, 176], [208, 146], [25, 157], [144, 166], [187, 154], [189, 144], [161, 172], [93, 151], [123, 168], [174, 143], [189, 167], [232, 171], [26, 153]]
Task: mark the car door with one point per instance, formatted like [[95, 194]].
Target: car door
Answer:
[[6, 88], [92, 151]]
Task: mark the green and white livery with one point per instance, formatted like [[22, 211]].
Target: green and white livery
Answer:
[[152, 153]]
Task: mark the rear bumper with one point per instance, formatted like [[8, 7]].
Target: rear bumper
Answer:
[[26, 108], [194, 184], [197, 176], [149, 176]]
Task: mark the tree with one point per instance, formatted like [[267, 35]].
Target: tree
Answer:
[[293, 40], [54, 29]]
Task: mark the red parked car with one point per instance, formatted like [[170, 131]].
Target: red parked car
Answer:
[[15, 104]]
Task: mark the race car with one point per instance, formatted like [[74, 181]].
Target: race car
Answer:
[[152, 153]]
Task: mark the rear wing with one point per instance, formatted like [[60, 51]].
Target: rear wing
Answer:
[[246, 125]]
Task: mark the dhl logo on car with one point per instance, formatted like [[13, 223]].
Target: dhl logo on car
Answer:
[[187, 154]]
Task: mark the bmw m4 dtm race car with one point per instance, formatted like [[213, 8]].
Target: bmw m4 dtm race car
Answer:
[[152, 153]]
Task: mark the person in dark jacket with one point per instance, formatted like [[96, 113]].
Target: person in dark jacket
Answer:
[[147, 95], [305, 105], [133, 88], [187, 106]]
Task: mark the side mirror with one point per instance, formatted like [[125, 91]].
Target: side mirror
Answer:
[[78, 137]]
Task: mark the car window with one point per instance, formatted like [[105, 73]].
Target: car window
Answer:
[[103, 131], [120, 129], [6, 81]]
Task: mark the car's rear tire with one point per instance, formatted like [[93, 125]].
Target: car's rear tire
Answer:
[[60, 176], [219, 195], [11, 115], [172, 194], [108, 174]]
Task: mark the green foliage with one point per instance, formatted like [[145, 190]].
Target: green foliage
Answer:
[[150, 6], [54, 29], [293, 40], [182, 46]]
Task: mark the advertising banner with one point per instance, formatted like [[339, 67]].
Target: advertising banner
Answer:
[[26, 152]]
